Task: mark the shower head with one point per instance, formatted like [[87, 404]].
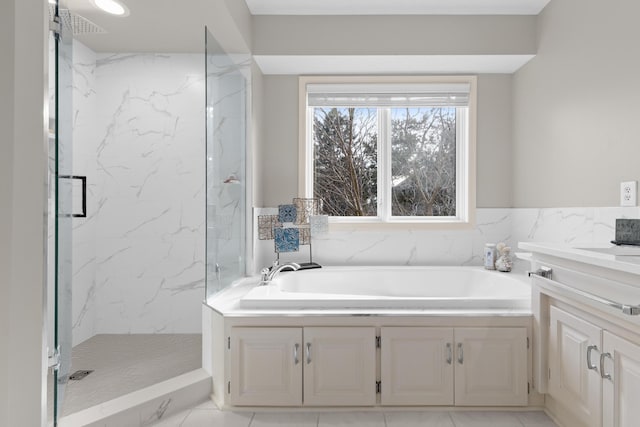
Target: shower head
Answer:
[[76, 23]]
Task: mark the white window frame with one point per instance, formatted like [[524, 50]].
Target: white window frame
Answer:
[[465, 157]]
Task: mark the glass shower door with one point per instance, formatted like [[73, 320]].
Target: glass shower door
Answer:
[[60, 195], [226, 105]]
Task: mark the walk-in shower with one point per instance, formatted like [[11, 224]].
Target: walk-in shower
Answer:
[[128, 273]]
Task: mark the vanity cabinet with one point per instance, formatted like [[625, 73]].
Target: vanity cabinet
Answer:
[[311, 366], [574, 378], [447, 366], [621, 382], [593, 373]]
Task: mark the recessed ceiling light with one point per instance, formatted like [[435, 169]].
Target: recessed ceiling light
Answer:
[[112, 6]]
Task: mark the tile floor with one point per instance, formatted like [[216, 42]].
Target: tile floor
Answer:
[[123, 363], [207, 414]]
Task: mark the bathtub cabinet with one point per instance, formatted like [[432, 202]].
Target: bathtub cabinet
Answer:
[[491, 366], [416, 366], [270, 366], [266, 367], [339, 366], [447, 366]]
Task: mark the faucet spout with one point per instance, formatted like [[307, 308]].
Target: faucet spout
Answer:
[[268, 274]]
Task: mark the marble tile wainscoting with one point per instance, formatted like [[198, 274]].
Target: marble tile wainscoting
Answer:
[[138, 137], [577, 226]]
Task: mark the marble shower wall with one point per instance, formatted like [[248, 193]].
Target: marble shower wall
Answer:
[[577, 226], [139, 135], [84, 163], [150, 164]]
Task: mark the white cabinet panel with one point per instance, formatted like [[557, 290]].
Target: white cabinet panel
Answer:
[[264, 368], [339, 366], [417, 366], [571, 382], [491, 366], [621, 392]]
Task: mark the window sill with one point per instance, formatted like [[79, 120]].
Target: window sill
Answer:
[[337, 225]]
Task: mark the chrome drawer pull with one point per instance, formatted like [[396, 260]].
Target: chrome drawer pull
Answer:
[[460, 354], [602, 373], [295, 354], [590, 365], [449, 354], [308, 353]]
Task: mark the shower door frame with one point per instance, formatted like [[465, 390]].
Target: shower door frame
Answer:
[[60, 206]]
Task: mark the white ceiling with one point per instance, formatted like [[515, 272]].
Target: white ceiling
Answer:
[[396, 7]]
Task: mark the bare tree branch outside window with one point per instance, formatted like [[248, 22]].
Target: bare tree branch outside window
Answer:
[[346, 163], [423, 160]]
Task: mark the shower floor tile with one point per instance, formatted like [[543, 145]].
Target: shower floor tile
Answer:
[[123, 363]]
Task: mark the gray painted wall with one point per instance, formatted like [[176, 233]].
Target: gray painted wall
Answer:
[[278, 173], [23, 89], [389, 35], [576, 106]]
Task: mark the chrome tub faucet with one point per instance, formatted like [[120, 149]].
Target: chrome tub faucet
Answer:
[[268, 274]]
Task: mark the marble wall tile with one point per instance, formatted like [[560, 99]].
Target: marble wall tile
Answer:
[[573, 226], [150, 151], [461, 247], [406, 247], [84, 163], [139, 138]]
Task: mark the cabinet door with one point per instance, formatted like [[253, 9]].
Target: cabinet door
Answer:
[[621, 392], [416, 366], [339, 366], [266, 366], [571, 382], [491, 366]]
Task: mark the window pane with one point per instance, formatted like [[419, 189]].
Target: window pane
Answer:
[[423, 161], [345, 160]]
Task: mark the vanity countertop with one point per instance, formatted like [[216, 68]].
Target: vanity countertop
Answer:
[[621, 258]]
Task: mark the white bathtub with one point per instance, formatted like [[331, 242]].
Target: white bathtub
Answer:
[[392, 288]]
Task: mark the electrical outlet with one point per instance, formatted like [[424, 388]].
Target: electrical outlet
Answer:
[[628, 193]]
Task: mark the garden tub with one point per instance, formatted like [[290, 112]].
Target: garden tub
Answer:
[[378, 287]]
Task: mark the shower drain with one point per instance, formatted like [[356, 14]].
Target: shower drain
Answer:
[[78, 375]]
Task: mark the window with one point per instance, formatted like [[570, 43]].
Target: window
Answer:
[[389, 149]]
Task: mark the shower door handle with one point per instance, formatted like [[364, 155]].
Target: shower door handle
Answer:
[[460, 353], [449, 353], [308, 353], [83, 200]]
